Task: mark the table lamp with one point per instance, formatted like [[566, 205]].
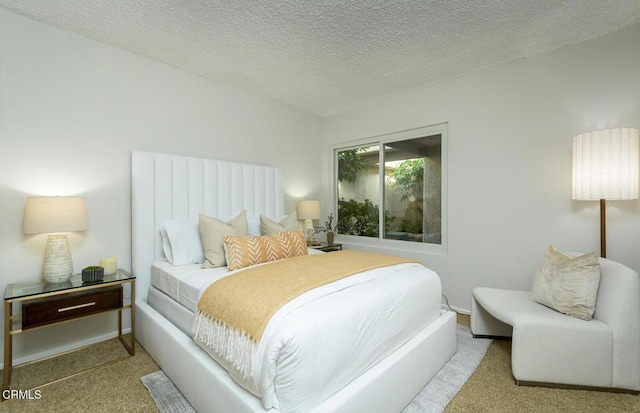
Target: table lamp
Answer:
[[605, 166], [55, 215], [309, 210]]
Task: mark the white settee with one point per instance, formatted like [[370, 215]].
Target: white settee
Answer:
[[550, 348]]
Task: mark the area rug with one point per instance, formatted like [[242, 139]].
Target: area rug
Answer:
[[433, 398], [165, 394]]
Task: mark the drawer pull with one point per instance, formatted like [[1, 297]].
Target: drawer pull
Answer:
[[74, 307]]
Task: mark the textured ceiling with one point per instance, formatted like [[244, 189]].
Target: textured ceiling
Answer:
[[326, 56]]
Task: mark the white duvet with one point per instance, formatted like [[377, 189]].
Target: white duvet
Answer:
[[322, 340]]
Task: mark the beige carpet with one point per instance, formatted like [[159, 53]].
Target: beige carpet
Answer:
[[113, 388], [492, 389], [117, 387]]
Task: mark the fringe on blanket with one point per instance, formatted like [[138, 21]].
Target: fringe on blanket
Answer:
[[234, 345]]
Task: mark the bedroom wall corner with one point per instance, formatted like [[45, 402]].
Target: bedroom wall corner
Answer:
[[71, 112], [510, 140]]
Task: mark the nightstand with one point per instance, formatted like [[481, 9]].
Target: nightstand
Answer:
[[44, 305], [328, 248]]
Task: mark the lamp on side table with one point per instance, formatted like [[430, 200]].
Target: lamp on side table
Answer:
[[56, 216], [309, 210]]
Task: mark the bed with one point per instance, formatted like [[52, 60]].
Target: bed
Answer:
[[170, 187]]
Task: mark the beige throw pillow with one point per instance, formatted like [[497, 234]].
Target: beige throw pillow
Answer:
[[212, 233], [247, 251], [288, 223], [567, 284]]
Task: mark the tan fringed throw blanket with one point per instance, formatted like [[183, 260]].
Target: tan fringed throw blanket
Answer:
[[234, 311]]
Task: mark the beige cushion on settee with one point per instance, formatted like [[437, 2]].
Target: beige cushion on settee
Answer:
[[567, 284]]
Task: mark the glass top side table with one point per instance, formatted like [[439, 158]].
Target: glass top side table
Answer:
[[45, 304]]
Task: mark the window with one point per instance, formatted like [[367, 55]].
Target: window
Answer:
[[392, 188]]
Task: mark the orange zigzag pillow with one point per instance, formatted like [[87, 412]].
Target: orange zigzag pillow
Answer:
[[245, 251]]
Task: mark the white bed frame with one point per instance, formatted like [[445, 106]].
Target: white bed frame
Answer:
[[166, 187]]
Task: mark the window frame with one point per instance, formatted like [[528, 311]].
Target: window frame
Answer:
[[381, 140]]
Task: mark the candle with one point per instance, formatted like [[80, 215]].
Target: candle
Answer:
[[109, 264]]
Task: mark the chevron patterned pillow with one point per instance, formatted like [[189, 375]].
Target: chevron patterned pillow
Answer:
[[245, 251]]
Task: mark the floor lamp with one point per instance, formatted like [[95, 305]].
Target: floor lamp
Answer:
[[605, 167]]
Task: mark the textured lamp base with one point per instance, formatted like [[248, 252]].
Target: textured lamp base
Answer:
[[57, 266], [309, 232]]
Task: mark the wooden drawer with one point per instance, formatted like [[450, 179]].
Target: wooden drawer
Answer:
[[50, 310]]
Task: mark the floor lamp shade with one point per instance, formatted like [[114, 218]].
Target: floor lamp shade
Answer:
[[55, 216], [605, 167]]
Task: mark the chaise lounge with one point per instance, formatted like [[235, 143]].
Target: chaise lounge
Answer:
[[553, 349]]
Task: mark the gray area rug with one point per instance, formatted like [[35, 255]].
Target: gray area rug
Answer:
[[443, 387], [433, 398], [165, 394]]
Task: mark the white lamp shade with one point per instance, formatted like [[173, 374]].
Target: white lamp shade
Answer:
[[50, 214], [605, 165], [309, 210]]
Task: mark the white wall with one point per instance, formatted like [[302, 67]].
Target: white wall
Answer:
[[510, 140], [71, 111]]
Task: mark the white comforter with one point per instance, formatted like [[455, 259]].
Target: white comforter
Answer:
[[325, 338]]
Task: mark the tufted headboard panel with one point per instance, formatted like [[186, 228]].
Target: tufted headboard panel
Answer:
[[171, 187]]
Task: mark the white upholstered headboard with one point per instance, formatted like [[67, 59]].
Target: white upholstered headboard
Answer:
[[171, 187]]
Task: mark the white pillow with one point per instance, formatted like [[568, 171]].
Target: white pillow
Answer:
[[286, 224], [253, 226], [567, 284], [181, 242], [166, 245]]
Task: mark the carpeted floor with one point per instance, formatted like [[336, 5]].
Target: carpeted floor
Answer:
[[117, 387], [113, 388], [492, 389]]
